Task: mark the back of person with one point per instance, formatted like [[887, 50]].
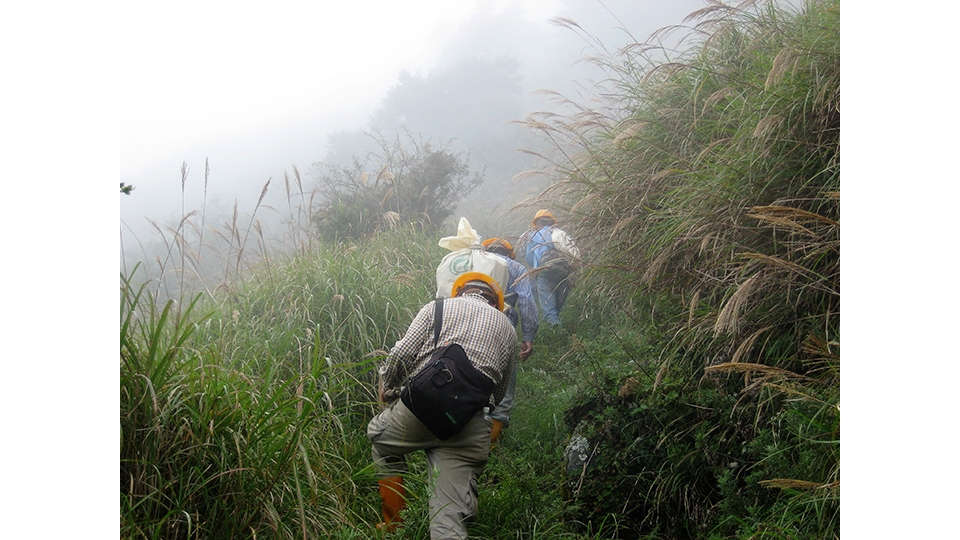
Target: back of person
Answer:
[[473, 318], [550, 251], [540, 242], [485, 335], [521, 292]]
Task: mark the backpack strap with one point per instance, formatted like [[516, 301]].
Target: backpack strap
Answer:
[[437, 320]]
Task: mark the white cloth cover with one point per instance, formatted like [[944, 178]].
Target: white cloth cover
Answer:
[[468, 255]]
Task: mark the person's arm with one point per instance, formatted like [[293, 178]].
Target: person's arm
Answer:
[[529, 317], [563, 242], [507, 349], [402, 360]]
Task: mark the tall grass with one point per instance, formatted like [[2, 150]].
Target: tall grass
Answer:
[[244, 415], [248, 419], [715, 166], [245, 391], [707, 181], [208, 450]]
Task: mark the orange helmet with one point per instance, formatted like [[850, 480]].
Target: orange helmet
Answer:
[[498, 245], [485, 282], [543, 214]]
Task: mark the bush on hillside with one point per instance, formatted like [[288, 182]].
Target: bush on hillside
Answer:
[[684, 457], [444, 105], [419, 184]]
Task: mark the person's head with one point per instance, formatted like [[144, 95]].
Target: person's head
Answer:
[[480, 283], [499, 246], [543, 218]]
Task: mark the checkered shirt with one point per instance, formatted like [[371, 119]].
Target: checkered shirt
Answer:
[[485, 333]]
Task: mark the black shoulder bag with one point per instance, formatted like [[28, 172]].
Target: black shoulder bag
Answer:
[[449, 390]]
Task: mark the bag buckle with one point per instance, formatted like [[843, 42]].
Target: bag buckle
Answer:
[[438, 377]]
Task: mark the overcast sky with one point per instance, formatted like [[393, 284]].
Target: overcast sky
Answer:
[[257, 90], [194, 72], [210, 72]]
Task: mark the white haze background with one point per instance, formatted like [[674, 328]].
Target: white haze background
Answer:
[[257, 90]]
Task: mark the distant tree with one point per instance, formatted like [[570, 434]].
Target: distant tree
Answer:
[[472, 104], [471, 100], [416, 183], [344, 147]]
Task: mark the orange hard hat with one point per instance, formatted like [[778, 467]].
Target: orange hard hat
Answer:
[[499, 245], [480, 280], [542, 214]]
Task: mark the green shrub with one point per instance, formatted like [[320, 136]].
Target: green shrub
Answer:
[[419, 184], [679, 454]]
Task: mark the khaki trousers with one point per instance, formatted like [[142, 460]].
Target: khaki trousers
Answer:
[[454, 464]]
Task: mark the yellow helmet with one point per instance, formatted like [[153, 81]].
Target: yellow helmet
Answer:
[[498, 245], [486, 282], [542, 214]]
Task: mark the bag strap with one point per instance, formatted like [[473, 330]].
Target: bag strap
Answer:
[[437, 320]]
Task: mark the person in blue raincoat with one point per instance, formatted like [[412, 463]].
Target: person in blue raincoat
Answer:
[[550, 251]]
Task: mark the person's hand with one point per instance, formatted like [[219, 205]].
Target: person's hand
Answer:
[[388, 396], [526, 349]]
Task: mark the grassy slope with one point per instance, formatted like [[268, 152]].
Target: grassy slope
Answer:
[[246, 413], [245, 416], [706, 190]]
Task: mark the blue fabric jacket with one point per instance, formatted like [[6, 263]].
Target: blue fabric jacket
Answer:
[[539, 243], [529, 317]]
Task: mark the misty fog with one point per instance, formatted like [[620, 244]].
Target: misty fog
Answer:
[[465, 93]]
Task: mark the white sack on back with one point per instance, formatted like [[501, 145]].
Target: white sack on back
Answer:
[[465, 237], [468, 255]]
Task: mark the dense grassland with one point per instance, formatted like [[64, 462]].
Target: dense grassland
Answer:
[[698, 362], [246, 416], [706, 189]]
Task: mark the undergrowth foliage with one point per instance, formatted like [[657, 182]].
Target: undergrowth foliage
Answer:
[[708, 180]]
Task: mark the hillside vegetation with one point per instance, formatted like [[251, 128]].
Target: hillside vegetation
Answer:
[[706, 191], [697, 373]]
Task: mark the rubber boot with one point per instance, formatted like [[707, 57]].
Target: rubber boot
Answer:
[[394, 501], [495, 432]]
